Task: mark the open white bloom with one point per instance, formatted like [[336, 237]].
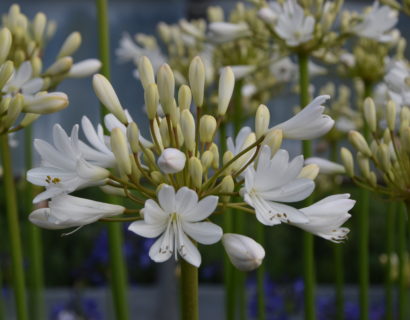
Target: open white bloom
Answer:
[[273, 181], [397, 81], [66, 211], [326, 217], [175, 217], [377, 23], [309, 123], [326, 166], [244, 139], [63, 167], [171, 161], [21, 81], [244, 252], [289, 22], [225, 31]]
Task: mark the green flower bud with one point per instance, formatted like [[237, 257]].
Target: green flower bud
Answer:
[[184, 97], [166, 87], [6, 71], [207, 127], [70, 45], [347, 160], [195, 171], [309, 172], [62, 65], [226, 85], [197, 80], [359, 143], [262, 119], [151, 98], [163, 128], [391, 115], [14, 109], [133, 137], [228, 156], [158, 177], [39, 27], [188, 129], [274, 139], [5, 44], [146, 72], [364, 165], [370, 114], [206, 159], [119, 147], [215, 151]]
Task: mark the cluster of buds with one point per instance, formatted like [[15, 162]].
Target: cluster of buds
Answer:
[[24, 85], [383, 158], [181, 178]]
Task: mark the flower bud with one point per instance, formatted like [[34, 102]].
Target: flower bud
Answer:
[[151, 98], [364, 164], [347, 160], [107, 96], [174, 113], [44, 103], [135, 171], [215, 151], [184, 97], [133, 137], [146, 72], [370, 114], [207, 127], [157, 176], [274, 139], [197, 80], [6, 70], [391, 115], [39, 26], [37, 66], [206, 159], [262, 119], [309, 172], [84, 68], [228, 156], [14, 109], [28, 119], [166, 87], [405, 139], [5, 44], [70, 45], [171, 161], [195, 171], [188, 129], [119, 147], [359, 143], [227, 184], [163, 129], [62, 65], [244, 252], [114, 191], [225, 90], [383, 156]]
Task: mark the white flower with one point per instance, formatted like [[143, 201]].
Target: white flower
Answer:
[[327, 216], [309, 123], [66, 211], [276, 180], [244, 139], [326, 166], [244, 252], [377, 23], [84, 68], [224, 31], [63, 167], [21, 81], [175, 217], [171, 161], [397, 81]]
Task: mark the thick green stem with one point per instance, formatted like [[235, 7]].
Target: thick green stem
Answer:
[[260, 275], [402, 263], [308, 241], [189, 293], [14, 231], [390, 233], [115, 238], [35, 280]]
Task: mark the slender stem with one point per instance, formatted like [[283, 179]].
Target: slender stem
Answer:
[[390, 232], [308, 241], [260, 275], [115, 238], [2, 309], [14, 231], [34, 245], [402, 263], [189, 294]]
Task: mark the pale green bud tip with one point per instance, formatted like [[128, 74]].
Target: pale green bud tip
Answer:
[[61, 66], [195, 171], [226, 85], [184, 97], [360, 143], [133, 137], [262, 120], [391, 114], [370, 114], [207, 127], [166, 87], [171, 161], [197, 80], [5, 44], [119, 147], [347, 160], [151, 97], [146, 71], [70, 45], [107, 96]]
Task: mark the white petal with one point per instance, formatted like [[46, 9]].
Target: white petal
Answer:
[[185, 200], [166, 198], [190, 252], [154, 251], [203, 232], [32, 86], [203, 210], [147, 230]]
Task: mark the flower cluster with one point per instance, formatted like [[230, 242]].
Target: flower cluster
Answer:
[[180, 177]]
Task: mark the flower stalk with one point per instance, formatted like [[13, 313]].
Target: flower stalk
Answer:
[[402, 263], [390, 230], [189, 291]]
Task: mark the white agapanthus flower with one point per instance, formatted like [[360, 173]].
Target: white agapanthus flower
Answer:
[[63, 168], [309, 123], [22, 81], [274, 181], [398, 83], [326, 166], [65, 211], [177, 217], [244, 139], [378, 23], [326, 217]]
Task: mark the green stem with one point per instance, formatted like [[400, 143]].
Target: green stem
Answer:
[[189, 294], [115, 238], [308, 241], [2, 310], [260, 275], [390, 230], [402, 263], [35, 271], [14, 231]]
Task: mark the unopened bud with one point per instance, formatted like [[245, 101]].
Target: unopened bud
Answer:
[[171, 161], [188, 129], [62, 65], [360, 143], [151, 97], [206, 159], [133, 137], [146, 72], [14, 109], [228, 156], [347, 160], [70, 45], [44, 103], [107, 96], [166, 87], [195, 171], [227, 184], [207, 127], [184, 97], [364, 164], [370, 114], [383, 155], [215, 151], [28, 119], [5, 44], [226, 85], [197, 80], [244, 252], [39, 26], [405, 139], [84, 68], [262, 119], [309, 172], [119, 147], [391, 115], [37, 66], [157, 176], [6, 71], [163, 128]]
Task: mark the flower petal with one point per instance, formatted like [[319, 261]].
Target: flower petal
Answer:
[[203, 232], [147, 230]]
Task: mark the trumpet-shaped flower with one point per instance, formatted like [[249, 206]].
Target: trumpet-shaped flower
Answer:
[[309, 123], [176, 218], [326, 217], [66, 211], [274, 181], [244, 139], [21, 81], [63, 167], [397, 83]]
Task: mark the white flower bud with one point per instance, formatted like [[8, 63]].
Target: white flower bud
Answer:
[[6, 71], [326, 166], [107, 96], [262, 119], [171, 161], [347, 160], [225, 90], [206, 159], [188, 129], [370, 114], [44, 103], [166, 87], [146, 72], [184, 97], [364, 164], [195, 171], [207, 127], [62, 65], [119, 147], [244, 253], [274, 139], [197, 80], [360, 143], [70, 45], [309, 172], [14, 109], [5, 44], [84, 68], [224, 31], [28, 119], [391, 115], [215, 151], [133, 137], [151, 98], [39, 26]]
